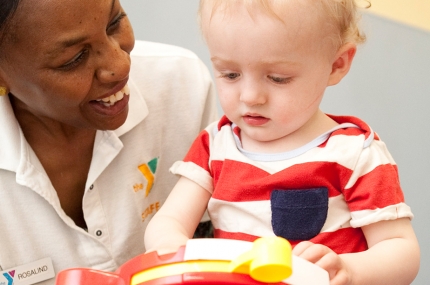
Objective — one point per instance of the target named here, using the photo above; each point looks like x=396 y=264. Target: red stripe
x=236 y=131
x=238 y=236
x=356 y=121
x=348 y=132
x=377 y=189
x=199 y=151
x=256 y=184
x=342 y=241
x=223 y=121
x=345 y=240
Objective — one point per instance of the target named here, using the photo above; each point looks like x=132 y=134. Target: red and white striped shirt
x=324 y=191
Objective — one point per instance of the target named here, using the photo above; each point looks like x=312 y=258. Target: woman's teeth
x=112 y=99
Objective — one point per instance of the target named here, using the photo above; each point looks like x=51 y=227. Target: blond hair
x=344 y=15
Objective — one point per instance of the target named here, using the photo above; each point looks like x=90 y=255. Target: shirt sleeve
x=195 y=165
x=373 y=192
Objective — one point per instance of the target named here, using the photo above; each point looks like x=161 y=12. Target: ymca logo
x=148 y=171
x=9 y=276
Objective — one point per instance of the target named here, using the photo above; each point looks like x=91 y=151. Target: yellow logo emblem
x=148 y=171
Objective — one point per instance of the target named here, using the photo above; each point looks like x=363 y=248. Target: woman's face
x=63 y=57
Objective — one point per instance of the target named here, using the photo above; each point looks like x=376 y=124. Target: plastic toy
x=267 y=260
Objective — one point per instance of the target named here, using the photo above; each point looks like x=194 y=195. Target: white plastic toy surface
x=267 y=260
x=303 y=271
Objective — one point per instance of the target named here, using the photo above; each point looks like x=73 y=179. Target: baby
x=275 y=164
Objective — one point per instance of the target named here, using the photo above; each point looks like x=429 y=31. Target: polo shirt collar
x=137 y=109
x=12 y=138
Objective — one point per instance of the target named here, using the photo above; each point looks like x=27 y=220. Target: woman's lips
x=112 y=104
x=114 y=97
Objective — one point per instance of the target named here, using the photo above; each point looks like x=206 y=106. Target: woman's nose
x=113 y=63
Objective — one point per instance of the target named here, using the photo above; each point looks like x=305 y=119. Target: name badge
x=29 y=273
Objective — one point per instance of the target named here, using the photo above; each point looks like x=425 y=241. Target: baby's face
x=270 y=74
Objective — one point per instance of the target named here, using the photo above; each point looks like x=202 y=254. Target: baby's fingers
x=302 y=247
x=325 y=258
x=331 y=262
x=310 y=251
x=341 y=278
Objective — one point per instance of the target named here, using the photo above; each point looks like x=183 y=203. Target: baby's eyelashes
x=279 y=80
x=230 y=75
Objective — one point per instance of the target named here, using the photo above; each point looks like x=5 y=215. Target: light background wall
x=388 y=85
x=411 y=12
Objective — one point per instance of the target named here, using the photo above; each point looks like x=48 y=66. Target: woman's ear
x=342 y=63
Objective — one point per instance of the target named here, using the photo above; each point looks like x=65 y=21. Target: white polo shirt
x=172 y=99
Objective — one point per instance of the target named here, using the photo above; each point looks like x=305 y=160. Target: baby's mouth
x=112 y=99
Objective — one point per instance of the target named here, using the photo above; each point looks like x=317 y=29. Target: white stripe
x=193 y=172
x=338 y=216
x=369 y=139
x=270 y=157
x=341 y=149
x=392 y=212
x=255 y=217
x=371 y=157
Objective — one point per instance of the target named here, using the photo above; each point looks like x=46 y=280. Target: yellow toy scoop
x=269 y=260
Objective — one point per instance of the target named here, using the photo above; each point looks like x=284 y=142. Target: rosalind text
x=32 y=272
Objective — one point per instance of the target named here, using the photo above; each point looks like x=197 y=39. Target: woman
x=87 y=132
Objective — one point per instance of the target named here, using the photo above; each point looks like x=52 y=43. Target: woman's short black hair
x=7 y=9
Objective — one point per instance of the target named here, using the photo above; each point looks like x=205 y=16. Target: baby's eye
x=231 y=75
x=279 y=80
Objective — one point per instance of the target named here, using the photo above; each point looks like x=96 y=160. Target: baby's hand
x=325 y=258
x=163 y=250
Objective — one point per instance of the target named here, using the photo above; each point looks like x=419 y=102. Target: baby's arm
x=393 y=256
x=178 y=218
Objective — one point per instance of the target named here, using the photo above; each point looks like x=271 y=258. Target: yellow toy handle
x=269 y=260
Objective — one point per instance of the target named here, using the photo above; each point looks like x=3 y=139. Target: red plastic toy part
x=88 y=276
x=208 y=262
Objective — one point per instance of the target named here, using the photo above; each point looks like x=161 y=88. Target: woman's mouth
x=112 y=99
x=112 y=105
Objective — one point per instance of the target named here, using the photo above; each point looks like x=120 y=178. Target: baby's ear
x=342 y=63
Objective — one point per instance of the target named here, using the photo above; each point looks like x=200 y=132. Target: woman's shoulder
x=158 y=62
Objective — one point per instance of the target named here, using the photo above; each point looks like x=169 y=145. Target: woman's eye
x=279 y=80
x=116 y=22
x=230 y=76
x=75 y=61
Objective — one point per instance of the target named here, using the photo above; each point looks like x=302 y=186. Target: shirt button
x=92 y=186
x=99 y=233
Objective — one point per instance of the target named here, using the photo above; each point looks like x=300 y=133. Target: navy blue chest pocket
x=299 y=214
